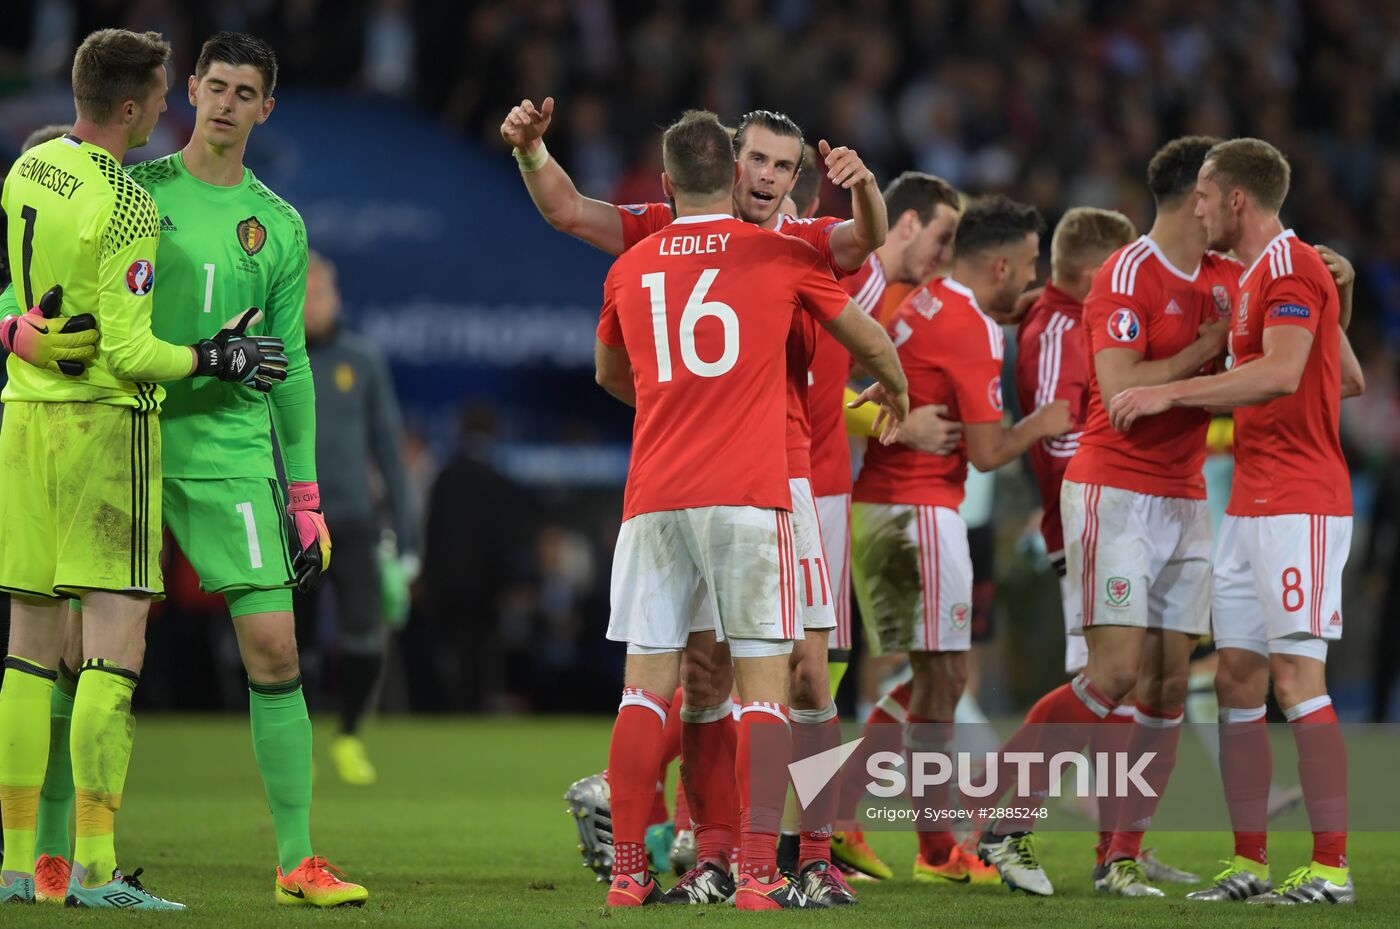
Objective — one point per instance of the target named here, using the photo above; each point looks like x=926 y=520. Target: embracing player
x=909 y=553
x=76 y=519
x=226 y=242
x=707 y=508
x=1136 y=529
x=769 y=149
x=1276 y=600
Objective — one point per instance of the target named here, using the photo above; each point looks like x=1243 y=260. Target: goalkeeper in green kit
x=229 y=242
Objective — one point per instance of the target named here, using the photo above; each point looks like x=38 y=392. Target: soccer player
x=355 y=392
x=228 y=241
x=909 y=552
x=1052 y=363
x=1136 y=527
x=769 y=148
x=706 y=510
x=1276 y=598
x=77 y=520
x=923 y=210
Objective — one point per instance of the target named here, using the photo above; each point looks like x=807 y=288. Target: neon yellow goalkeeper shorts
x=80 y=502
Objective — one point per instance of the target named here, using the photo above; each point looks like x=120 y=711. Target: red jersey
x=641 y=220
x=951 y=352
x=1288 y=454
x=1052 y=363
x=704 y=309
x=1139 y=301
x=826 y=391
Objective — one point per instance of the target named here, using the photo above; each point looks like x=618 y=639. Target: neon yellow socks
x=100 y=740
x=24 y=753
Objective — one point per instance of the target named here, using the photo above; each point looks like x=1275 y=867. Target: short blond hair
x=1254 y=166
x=1086 y=231
x=113 y=66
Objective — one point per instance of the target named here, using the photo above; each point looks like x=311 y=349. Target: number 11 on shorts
x=254 y=549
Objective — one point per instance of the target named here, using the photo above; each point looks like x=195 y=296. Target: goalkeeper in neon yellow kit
x=80 y=455
x=227 y=241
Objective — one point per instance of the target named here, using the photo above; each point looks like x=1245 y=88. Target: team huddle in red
x=733 y=326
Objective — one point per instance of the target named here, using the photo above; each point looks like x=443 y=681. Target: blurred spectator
x=475 y=521
x=360 y=464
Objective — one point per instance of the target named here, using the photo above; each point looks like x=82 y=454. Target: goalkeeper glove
x=313 y=539
x=396 y=573
x=255 y=361
x=67 y=348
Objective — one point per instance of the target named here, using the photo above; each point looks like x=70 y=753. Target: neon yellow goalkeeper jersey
x=74 y=218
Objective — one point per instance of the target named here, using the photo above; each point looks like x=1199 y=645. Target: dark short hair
x=993 y=221
x=922 y=193
x=1255 y=166
x=1171 y=174
x=696 y=154
x=809 y=181
x=113 y=66
x=779 y=123
x=240 y=48
x=45 y=134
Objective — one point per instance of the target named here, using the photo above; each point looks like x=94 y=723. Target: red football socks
x=1322 y=772
x=633 y=757
x=760 y=769
x=708 y=739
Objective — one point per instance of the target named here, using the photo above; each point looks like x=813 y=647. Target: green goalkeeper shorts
x=80 y=503
x=234 y=532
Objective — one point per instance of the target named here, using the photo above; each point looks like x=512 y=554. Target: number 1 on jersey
x=696 y=309
x=208 y=287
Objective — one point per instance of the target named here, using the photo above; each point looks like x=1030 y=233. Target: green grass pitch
x=467 y=828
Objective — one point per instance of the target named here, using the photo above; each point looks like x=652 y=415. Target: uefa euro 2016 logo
x=140 y=277
x=1123 y=325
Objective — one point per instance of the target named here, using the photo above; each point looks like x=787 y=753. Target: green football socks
x=282 y=747
x=56 y=799
x=100 y=739
x=24 y=753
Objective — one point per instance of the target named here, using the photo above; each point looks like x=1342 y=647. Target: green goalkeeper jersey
x=73 y=218
x=222 y=250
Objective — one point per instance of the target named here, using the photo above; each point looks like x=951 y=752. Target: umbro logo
x=166 y=225
x=121 y=899
x=1173 y=308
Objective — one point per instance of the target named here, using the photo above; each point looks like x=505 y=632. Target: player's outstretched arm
x=991 y=445
x=1274 y=374
x=872 y=349
x=1121 y=368
x=613 y=371
x=926 y=430
x=1353 y=380
x=550 y=186
x=853 y=241
x=1344 y=275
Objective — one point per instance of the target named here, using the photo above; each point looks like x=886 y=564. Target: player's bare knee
x=811 y=688
x=1296 y=679
x=270 y=658
x=1171 y=692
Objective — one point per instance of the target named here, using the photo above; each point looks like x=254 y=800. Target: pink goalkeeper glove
x=313 y=557
x=66 y=345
